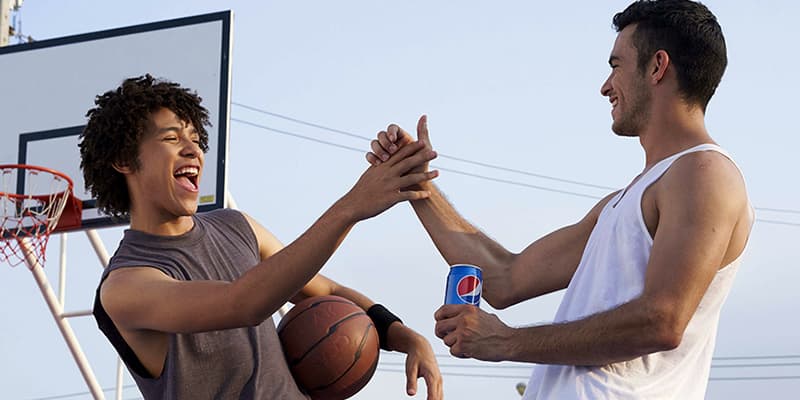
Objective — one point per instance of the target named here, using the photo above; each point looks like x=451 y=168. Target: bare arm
x=703 y=217
x=146 y=299
x=544 y=266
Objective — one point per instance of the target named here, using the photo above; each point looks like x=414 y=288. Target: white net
x=31 y=202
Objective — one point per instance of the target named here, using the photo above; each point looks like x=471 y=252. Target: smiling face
x=170 y=165
x=626 y=87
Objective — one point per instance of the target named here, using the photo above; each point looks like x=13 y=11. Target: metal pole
x=231 y=203
x=102 y=255
x=62 y=271
x=5 y=13
x=99 y=247
x=63 y=325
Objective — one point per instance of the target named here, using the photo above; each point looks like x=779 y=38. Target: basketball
x=331 y=346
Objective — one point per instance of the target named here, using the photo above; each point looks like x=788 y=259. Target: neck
x=163 y=225
x=672 y=129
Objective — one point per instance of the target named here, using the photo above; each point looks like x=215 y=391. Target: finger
x=411 y=195
x=445 y=327
x=403 y=165
x=378 y=150
x=372 y=159
x=434 y=384
x=448 y=311
x=456 y=351
x=422 y=130
x=451 y=341
x=385 y=142
x=404 y=153
x=411 y=378
x=413 y=179
x=398 y=135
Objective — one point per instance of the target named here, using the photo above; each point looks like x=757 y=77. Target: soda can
x=464 y=284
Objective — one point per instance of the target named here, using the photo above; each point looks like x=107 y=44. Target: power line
x=529 y=366
x=466 y=374
x=66 y=396
x=731 y=358
x=499 y=180
x=448 y=356
x=768 y=365
x=506 y=376
x=479 y=163
x=754 y=378
x=464 y=160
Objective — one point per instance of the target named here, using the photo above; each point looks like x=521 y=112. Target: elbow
x=244 y=312
x=665 y=330
x=498 y=302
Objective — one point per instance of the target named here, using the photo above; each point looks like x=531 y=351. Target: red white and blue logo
x=469 y=289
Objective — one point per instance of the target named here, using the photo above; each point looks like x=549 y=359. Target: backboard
x=48 y=86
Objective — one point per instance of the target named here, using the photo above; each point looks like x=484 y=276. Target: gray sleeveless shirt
x=242 y=363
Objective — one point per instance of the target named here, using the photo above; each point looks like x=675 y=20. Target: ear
x=123 y=169
x=659 y=66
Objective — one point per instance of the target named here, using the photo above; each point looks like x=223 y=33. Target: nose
x=606 y=87
x=190 y=149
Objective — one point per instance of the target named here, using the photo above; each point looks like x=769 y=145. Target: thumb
x=422 y=130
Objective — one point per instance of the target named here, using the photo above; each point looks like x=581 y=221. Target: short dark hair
x=689 y=33
x=116 y=127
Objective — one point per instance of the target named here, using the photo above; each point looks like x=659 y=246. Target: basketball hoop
x=32 y=200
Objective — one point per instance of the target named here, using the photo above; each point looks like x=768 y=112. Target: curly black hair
x=689 y=33
x=116 y=127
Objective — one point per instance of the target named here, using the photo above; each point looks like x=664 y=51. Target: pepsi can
x=464 y=284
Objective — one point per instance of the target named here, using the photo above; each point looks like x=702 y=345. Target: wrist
x=402 y=338
x=512 y=348
x=385 y=323
x=342 y=212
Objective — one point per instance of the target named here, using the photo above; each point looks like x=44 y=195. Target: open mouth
x=187 y=177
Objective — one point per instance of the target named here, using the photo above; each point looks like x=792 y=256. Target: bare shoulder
x=707 y=173
x=268 y=244
x=128 y=290
x=705 y=188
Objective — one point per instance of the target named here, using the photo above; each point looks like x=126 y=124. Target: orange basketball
x=331 y=346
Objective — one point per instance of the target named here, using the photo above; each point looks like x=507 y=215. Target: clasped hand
x=473 y=333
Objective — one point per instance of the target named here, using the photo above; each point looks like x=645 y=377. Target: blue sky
x=514 y=84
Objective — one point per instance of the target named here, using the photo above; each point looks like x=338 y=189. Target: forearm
x=456 y=239
x=267 y=286
x=624 y=333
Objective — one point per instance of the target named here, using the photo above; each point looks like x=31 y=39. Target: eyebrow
x=612 y=58
x=170 y=128
x=175 y=128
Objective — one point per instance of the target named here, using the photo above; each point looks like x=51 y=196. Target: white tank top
x=612 y=272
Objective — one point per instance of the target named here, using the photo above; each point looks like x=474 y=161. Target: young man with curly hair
x=187 y=298
x=647 y=270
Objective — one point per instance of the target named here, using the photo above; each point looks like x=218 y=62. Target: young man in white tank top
x=648 y=268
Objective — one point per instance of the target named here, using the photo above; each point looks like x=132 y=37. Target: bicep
x=698 y=206
x=549 y=263
x=268 y=244
x=145 y=298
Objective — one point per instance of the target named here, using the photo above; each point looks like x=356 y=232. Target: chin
x=621 y=130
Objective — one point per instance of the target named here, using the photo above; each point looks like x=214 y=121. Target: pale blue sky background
x=514 y=84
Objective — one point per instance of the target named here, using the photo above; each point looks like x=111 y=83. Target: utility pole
x=5 y=27
x=6 y=30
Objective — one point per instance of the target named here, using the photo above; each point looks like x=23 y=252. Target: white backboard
x=47 y=86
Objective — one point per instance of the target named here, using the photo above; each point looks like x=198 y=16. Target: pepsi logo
x=469 y=289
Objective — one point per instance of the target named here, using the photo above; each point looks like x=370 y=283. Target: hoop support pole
x=62 y=271
x=99 y=247
x=103 y=257
x=62 y=323
x=72 y=314
x=230 y=202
